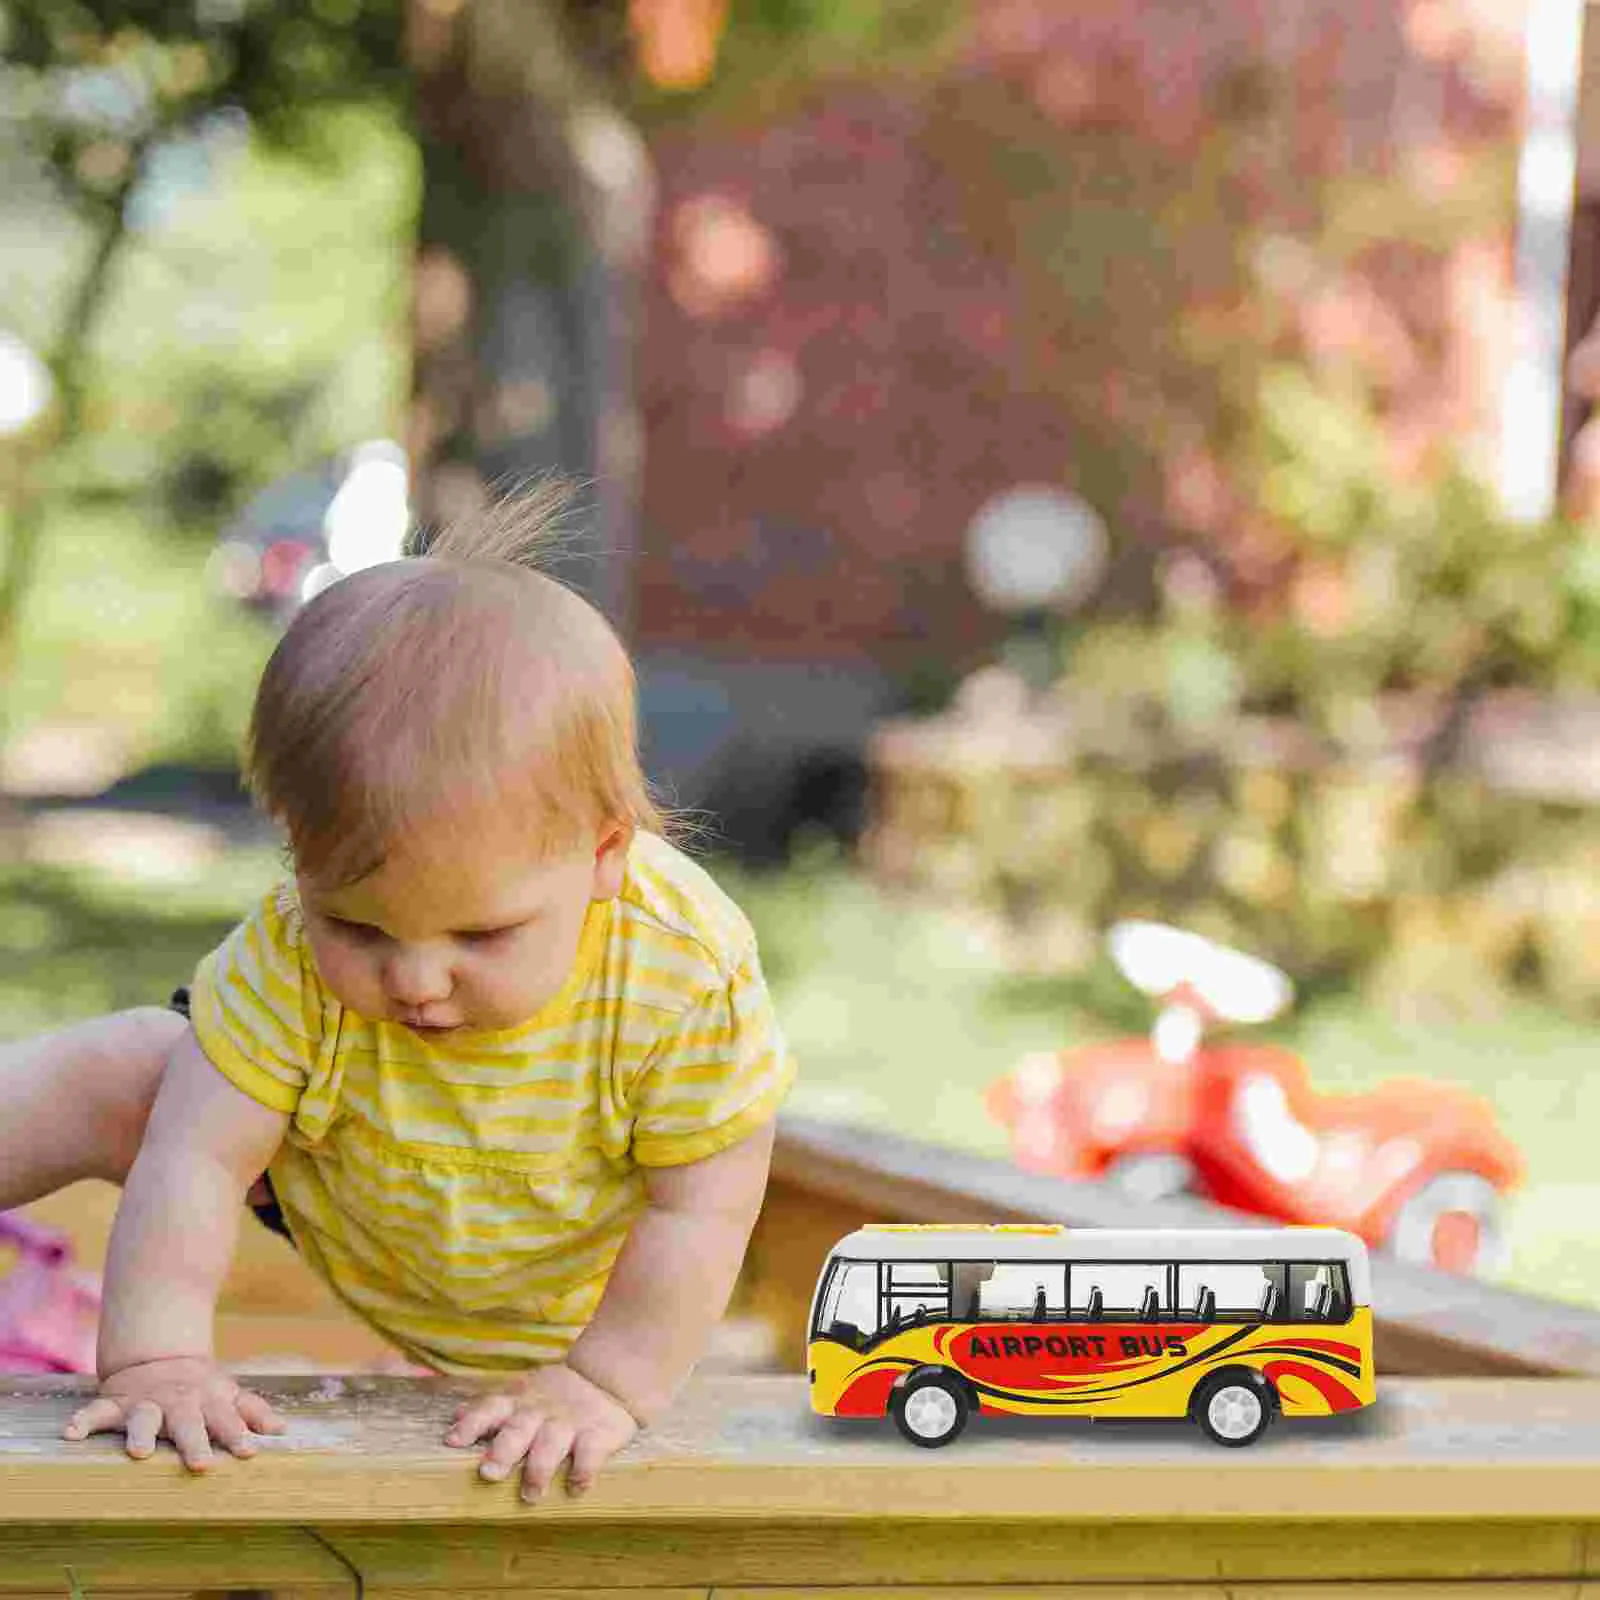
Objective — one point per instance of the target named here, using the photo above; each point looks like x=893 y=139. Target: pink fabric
x=49 y=1310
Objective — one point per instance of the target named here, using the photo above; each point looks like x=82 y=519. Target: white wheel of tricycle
x=1152 y=1175
x=1453 y=1222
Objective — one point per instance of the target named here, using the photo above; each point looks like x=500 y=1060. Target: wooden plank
x=153 y=1559
x=1410 y=1591
x=1175 y=1591
x=522 y=1592
x=1428 y=1323
x=965 y=1552
x=1020 y=1591
x=748 y=1448
x=64 y=1593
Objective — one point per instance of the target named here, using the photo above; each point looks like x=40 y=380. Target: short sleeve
x=256 y=1006
x=718 y=1073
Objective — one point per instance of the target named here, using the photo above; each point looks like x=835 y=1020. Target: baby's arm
x=674 y=1275
x=176 y=1227
x=671 y=1283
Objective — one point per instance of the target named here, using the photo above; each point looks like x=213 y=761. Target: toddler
x=502 y=1053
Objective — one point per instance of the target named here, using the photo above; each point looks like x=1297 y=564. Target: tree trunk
x=536 y=215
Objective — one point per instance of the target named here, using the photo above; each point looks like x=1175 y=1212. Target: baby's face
x=475 y=942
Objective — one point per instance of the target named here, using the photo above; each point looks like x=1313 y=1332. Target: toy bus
x=1228 y=1326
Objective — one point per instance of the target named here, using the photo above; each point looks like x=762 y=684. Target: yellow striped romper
x=468 y=1195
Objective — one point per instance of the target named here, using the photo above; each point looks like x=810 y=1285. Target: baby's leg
x=73 y=1104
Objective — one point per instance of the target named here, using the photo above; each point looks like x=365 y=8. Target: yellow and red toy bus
x=1227 y=1326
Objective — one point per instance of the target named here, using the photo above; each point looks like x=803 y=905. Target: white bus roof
x=1049 y=1241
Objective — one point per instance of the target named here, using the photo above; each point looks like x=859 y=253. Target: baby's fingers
x=143 y=1428
x=186 y=1428
x=481 y=1417
x=590 y=1451
x=511 y=1444
x=545 y=1455
x=101 y=1415
x=258 y=1414
x=227 y=1427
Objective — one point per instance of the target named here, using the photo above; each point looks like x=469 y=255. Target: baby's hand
x=545 y=1418
x=186 y=1399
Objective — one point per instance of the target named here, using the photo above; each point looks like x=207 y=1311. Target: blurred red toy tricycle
x=1415 y=1167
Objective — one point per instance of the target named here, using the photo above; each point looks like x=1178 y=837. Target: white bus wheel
x=931 y=1409
x=1234 y=1408
x=1454 y=1222
x=1152 y=1175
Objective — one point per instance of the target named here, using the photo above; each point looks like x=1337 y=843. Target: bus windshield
x=860 y=1299
x=847 y=1308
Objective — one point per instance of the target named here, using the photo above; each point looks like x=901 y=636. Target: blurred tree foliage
x=1318 y=778
x=103 y=96
x=1313 y=778
x=1262 y=730
x=211 y=215
x=107 y=105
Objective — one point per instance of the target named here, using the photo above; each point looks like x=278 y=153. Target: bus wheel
x=931 y=1409
x=1233 y=1408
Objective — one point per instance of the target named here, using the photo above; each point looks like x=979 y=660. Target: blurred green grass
x=122 y=636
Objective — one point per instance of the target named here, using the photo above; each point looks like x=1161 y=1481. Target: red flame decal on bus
x=868 y=1393
x=1338 y=1396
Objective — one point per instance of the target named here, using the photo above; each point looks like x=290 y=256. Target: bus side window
x=1123 y=1288
x=1019 y=1291
x=966 y=1288
x=1317 y=1292
x=1236 y=1290
x=910 y=1286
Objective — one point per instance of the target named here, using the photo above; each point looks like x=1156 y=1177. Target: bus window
x=848 y=1309
x=1021 y=1291
x=918 y=1290
x=1318 y=1292
x=1125 y=1288
x=1230 y=1291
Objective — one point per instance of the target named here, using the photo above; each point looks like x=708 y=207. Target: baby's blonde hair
x=409 y=702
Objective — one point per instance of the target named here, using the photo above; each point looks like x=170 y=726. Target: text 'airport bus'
x=1227 y=1326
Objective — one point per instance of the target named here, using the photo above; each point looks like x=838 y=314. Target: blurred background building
x=1075 y=251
